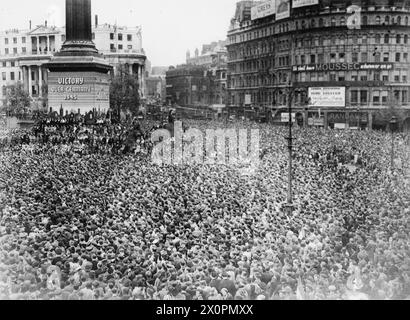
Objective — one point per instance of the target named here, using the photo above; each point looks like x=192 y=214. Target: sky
x=169 y=27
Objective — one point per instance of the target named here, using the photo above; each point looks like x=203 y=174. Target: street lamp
x=393 y=124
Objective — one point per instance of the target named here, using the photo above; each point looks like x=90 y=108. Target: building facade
x=344 y=63
x=23 y=54
x=202 y=81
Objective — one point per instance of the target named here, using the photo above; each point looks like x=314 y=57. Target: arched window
x=342 y=21
x=398 y=39
x=321 y=22
x=333 y=22
x=378 y=20
x=313 y=23
x=297 y=25
x=386 y=38
x=399 y=20
x=406 y=39
x=406 y=21
x=387 y=20
x=364 y=20
x=377 y=38
x=303 y=24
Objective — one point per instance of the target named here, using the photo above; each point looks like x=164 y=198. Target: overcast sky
x=170 y=27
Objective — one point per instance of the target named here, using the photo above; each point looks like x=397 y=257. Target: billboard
x=304 y=3
x=282 y=9
x=285 y=117
x=342 y=67
x=248 y=99
x=263 y=10
x=327 y=97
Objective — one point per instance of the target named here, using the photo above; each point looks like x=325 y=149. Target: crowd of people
x=76 y=135
x=109 y=225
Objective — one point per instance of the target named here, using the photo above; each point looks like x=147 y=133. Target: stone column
x=30 y=89
x=48 y=45
x=40 y=81
x=130 y=68
x=23 y=77
x=140 y=77
x=142 y=80
x=38 y=45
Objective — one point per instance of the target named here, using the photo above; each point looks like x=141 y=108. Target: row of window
x=354 y=57
x=313 y=23
x=257 y=80
x=6 y=40
x=120 y=36
x=378 y=96
x=357 y=97
x=120 y=47
x=344 y=39
x=12 y=76
x=112 y=36
x=354 y=76
x=6 y=64
x=269 y=47
x=15 y=51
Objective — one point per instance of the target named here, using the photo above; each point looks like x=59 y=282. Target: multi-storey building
x=344 y=63
x=202 y=80
x=188 y=86
x=24 y=52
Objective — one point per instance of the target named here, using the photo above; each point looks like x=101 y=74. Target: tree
x=18 y=101
x=385 y=115
x=124 y=92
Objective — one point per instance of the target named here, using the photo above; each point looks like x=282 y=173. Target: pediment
x=43 y=30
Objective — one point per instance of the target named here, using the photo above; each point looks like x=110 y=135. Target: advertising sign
x=285 y=117
x=304 y=3
x=263 y=10
x=342 y=67
x=282 y=9
x=327 y=97
x=248 y=99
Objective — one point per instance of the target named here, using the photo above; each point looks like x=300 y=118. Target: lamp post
x=290 y=95
x=393 y=123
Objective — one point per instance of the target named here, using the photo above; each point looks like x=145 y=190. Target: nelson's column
x=79 y=77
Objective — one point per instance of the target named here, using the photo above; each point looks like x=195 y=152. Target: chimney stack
x=45 y=23
x=30 y=24
x=96 y=20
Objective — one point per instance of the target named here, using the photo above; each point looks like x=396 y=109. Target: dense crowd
x=65 y=136
x=103 y=225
